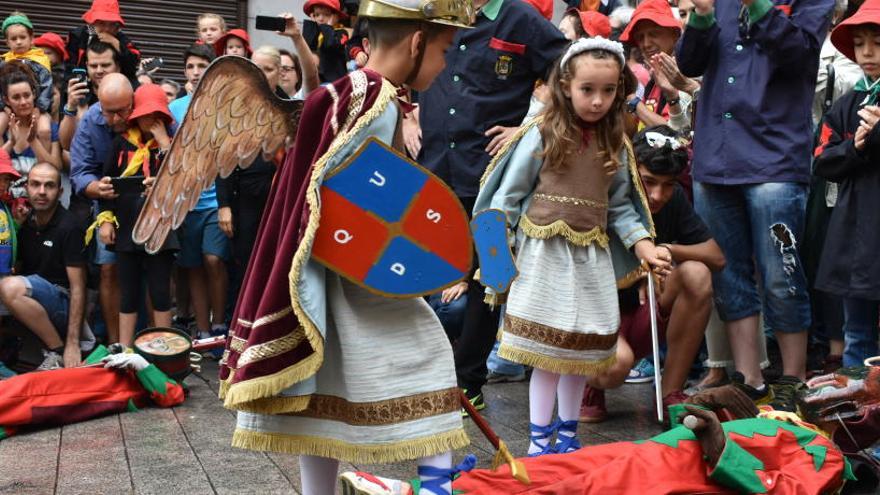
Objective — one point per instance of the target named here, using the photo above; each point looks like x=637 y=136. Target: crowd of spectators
x=724 y=112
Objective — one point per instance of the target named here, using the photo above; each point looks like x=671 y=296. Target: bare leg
x=835 y=347
x=743 y=336
x=127 y=322
x=615 y=376
x=687 y=298
x=108 y=294
x=793 y=347
x=219 y=282
x=162 y=318
x=13 y=293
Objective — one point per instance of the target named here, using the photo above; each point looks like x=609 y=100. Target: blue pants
x=758 y=227
x=501 y=366
x=860 y=319
x=451 y=314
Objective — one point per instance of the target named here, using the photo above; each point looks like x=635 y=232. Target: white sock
x=442 y=461
x=318 y=474
x=569 y=392
x=542 y=398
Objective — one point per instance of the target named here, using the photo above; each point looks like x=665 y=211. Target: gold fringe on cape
x=556 y=365
x=562 y=229
x=355 y=453
x=260 y=394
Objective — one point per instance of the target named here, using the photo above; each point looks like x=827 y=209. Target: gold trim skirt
x=386 y=391
x=562 y=313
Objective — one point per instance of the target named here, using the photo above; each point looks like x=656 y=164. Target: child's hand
x=148 y=185
x=657 y=257
x=107 y=233
x=160 y=134
x=293 y=26
x=20 y=212
x=109 y=39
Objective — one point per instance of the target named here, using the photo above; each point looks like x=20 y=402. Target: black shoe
x=759 y=396
x=785 y=393
x=476 y=400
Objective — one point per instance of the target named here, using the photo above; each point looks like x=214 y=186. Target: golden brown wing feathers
x=233 y=116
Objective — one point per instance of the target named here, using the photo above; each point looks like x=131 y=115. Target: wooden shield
x=391 y=226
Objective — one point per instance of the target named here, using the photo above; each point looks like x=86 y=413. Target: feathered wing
x=234 y=115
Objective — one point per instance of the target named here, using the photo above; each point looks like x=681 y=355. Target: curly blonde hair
x=561 y=132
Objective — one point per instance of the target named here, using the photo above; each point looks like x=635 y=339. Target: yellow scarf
x=35 y=54
x=140 y=159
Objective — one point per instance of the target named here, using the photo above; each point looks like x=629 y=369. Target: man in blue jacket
x=759 y=60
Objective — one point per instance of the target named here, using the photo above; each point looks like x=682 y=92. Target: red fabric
x=544 y=7
x=330 y=4
x=655 y=11
x=824 y=137
x=53 y=41
x=6 y=165
x=841 y=37
x=635 y=328
x=149 y=98
x=104 y=10
x=220 y=44
x=65 y=396
x=594 y=23
x=507 y=46
x=625 y=468
x=266 y=290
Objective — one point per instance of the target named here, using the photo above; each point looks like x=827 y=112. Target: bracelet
x=67 y=112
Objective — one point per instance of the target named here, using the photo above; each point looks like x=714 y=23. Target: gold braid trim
x=495 y=299
x=383 y=412
x=348 y=452
x=631 y=278
x=554 y=337
x=556 y=365
x=637 y=183
x=507 y=146
x=259 y=394
x=562 y=229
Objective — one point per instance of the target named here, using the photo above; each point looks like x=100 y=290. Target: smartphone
x=266 y=23
x=80 y=74
x=156 y=63
x=128 y=185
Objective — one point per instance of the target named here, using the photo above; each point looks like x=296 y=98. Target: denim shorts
x=103 y=256
x=54 y=299
x=201 y=236
x=758 y=227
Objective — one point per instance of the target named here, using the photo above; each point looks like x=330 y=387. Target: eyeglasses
x=287 y=68
x=122 y=112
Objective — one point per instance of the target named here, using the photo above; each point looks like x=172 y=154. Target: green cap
x=17 y=19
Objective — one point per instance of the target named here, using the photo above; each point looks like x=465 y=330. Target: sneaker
x=217 y=353
x=183 y=322
x=360 y=483
x=642 y=372
x=476 y=400
x=785 y=393
x=5 y=372
x=493 y=377
x=593 y=408
x=759 y=397
x=51 y=361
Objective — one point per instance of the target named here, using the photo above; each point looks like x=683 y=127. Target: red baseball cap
x=55 y=42
x=148 y=99
x=841 y=37
x=220 y=44
x=104 y=10
x=6 y=165
x=594 y=23
x=330 y=4
x=544 y=7
x=654 y=11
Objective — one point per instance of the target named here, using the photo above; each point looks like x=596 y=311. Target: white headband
x=657 y=141
x=588 y=44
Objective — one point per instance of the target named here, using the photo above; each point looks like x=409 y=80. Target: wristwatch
x=632 y=104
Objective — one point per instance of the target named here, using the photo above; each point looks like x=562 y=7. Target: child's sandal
x=542 y=433
x=566 y=443
x=433 y=478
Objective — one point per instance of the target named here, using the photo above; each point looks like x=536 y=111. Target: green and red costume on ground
x=71 y=395
x=760 y=456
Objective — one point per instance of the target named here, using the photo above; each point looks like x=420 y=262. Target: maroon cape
x=268 y=349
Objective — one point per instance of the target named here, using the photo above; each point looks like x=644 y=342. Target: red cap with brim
x=220 y=44
x=654 y=11
x=544 y=7
x=54 y=42
x=330 y=4
x=594 y=23
x=149 y=99
x=104 y=10
x=6 y=165
x=842 y=38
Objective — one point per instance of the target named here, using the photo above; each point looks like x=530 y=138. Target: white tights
x=318 y=474
x=545 y=389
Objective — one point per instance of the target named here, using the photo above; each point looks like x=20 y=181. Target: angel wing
x=234 y=115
